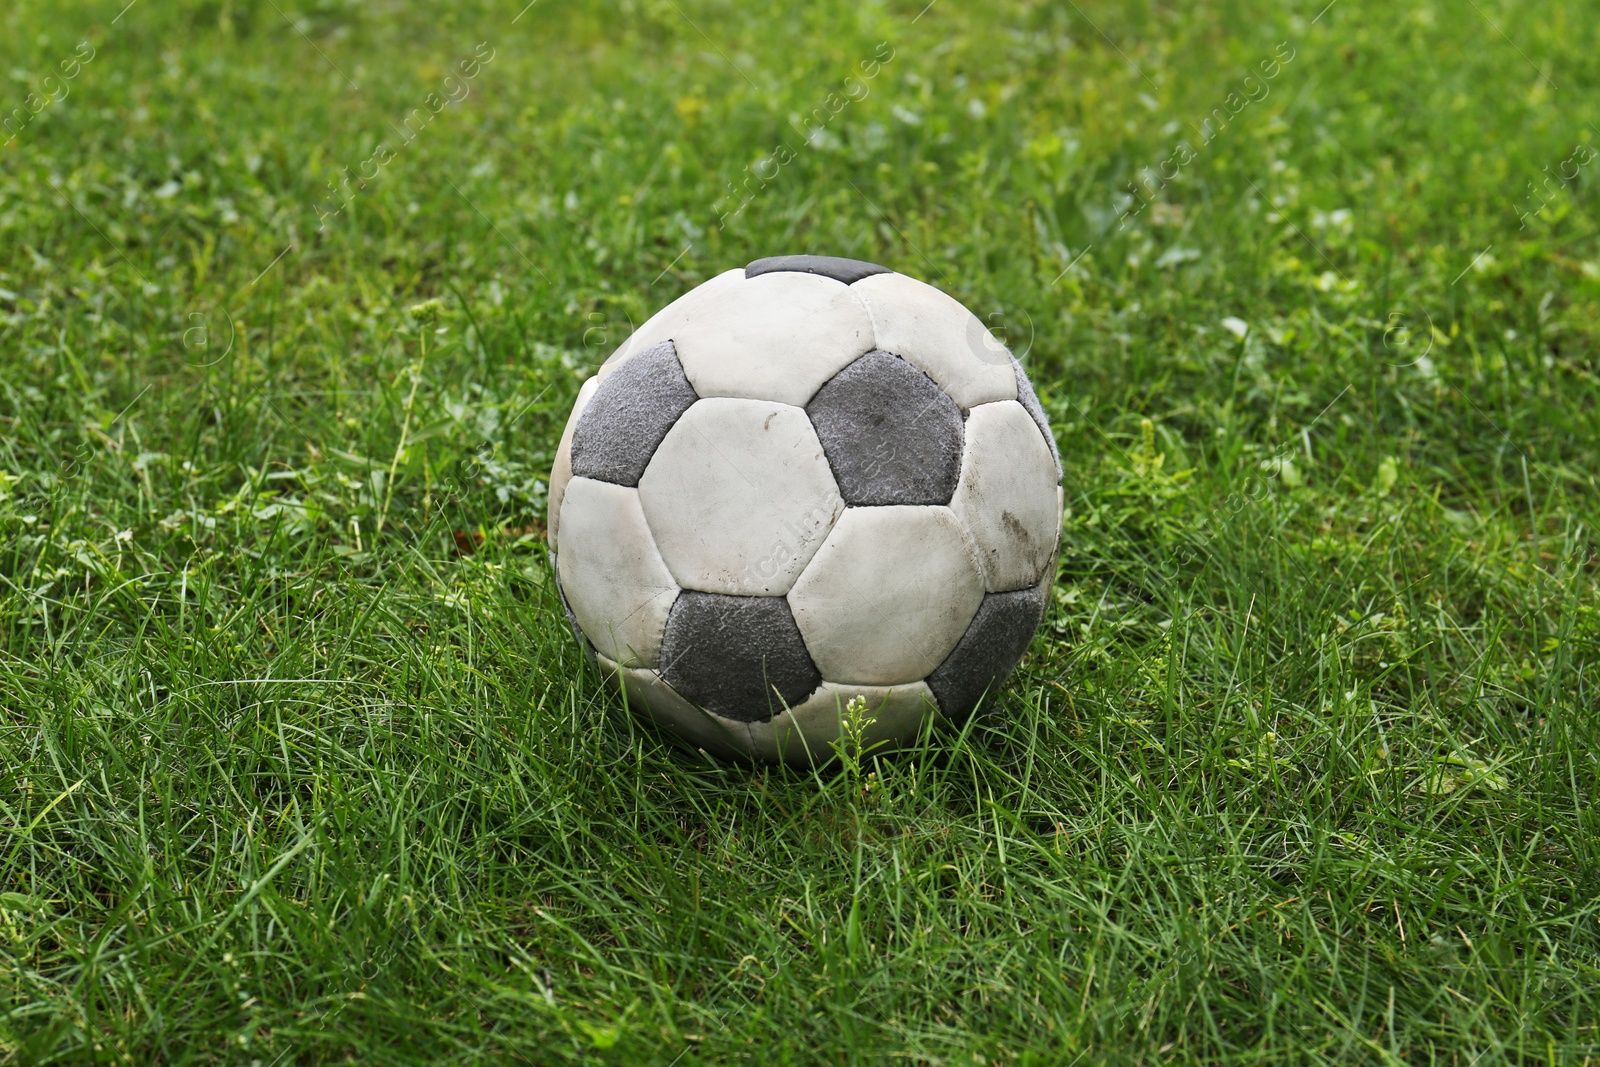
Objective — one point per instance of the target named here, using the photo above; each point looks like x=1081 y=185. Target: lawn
x=299 y=762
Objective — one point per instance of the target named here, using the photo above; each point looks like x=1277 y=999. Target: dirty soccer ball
x=807 y=480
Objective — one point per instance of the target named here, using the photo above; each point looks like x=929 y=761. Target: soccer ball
x=805 y=481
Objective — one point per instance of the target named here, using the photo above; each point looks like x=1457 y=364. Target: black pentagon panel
x=989 y=651
x=891 y=435
x=840 y=270
x=572 y=620
x=1030 y=400
x=740 y=657
x=629 y=414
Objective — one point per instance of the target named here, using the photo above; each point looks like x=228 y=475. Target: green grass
x=1302 y=766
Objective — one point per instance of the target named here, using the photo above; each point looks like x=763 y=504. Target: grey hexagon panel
x=630 y=413
x=989 y=651
x=840 y=270
x=891 y=435
x=740 y=657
